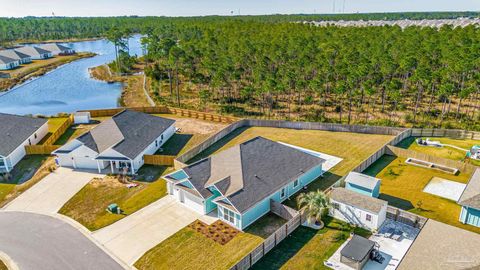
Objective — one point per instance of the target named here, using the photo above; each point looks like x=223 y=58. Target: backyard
x=189 y=249
x=88 y=206
x=444 y=152
x=402 y=186
x=306 y=248
x=352 y=147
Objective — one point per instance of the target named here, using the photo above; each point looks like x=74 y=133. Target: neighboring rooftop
x=441 y=246
x=362 y=180
x=54 y=47
x=127 y=132
x=357 y=200
x=31 y=50
x=471 y=195
x=15 y=130
x=6 y=60
x=357 y=248
x=13 y=54
x=249 y=172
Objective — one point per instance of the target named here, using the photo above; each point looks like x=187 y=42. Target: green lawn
x=188 y=249
x=444 y=152
x=89 y=204
x=306 y=248
x=402 y=186
x=352 y=147
x=30 y=170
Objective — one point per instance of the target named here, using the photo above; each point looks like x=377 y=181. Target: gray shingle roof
x=6 y=60
x=15 y=130
x=442 y=246
x=127 y=132
x=264 y=166
x=471 y=195
x=357 y=248
x=355 y=199
x=362 y=180
x=13 y=54
x=54 y=47
x=31 y=50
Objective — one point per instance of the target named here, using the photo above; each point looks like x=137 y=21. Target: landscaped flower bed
x=218 y=231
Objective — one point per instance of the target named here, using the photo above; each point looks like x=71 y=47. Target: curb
x=11 y=265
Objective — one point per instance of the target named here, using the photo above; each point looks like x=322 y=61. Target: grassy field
x=89 y=204
x=444 y=152
x=352 y=147
x=402 y=186
x=30 y=170
x=306 y=248
x=188 y=249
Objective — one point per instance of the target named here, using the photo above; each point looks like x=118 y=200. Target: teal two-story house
x=470 y=201
x=241 y=181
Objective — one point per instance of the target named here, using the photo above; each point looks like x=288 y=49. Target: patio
x=392 y=250
x=445 y=188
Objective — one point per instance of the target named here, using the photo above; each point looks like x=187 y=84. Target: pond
x=69 y=88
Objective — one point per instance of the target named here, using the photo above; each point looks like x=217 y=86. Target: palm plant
x=313 y=206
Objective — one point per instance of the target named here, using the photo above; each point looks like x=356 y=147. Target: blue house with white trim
x=470 y=201
x=363 y=184
x=240 y=182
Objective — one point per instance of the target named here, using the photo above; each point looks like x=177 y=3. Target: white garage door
x=85 y=163
x=193 y=202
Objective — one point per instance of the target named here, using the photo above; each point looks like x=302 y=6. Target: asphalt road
x=40 y=242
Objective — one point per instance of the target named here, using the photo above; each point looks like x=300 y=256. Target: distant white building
x=7 y=63
x=361 y=210
x=21 y=57
x=35 y=53
x=57 y=49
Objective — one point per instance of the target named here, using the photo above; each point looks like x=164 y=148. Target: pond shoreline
x=9 y=84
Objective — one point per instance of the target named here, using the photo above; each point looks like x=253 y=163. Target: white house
x=7 y=63
x=361 y=210
x=15 y=133
x=21 y=57
x=35 y=53
x=57 y=49
x=119 y=142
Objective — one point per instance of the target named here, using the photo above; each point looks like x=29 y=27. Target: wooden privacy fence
x=40 y=149
x=167 y=110
x=405 y=217
x=59 y=132
x=268 y=244
x=451 y=133
x=159 y=160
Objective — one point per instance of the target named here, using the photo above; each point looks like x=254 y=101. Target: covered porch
x=118 y=165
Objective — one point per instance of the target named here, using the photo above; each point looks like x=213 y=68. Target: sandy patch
x=195 y=126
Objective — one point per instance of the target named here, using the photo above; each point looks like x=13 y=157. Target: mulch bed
x=218 y=231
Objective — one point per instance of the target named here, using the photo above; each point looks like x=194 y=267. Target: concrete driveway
x=131 y=237
x=52 y=192
x=40 y=242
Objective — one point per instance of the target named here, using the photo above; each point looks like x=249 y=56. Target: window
x=295 y=183
x=35 y=135
x=156 y=143
x=161 y=137
x=229 y=215
x=2 y=162
x=283 y=193
x=368 y=217
x=335 y=206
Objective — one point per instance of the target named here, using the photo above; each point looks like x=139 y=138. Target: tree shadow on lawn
x=175 y=144
x=379 y=165
x=216 y=146
x=150 y=173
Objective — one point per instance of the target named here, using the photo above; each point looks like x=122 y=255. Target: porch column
x=111 y=165
x=98 y=166
x=133 y=170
